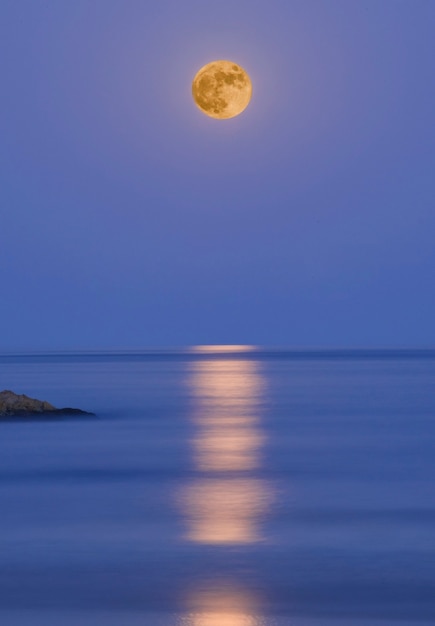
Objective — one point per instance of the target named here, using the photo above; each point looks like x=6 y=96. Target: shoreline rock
x=14 y=405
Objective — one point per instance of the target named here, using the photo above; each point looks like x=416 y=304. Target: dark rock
x=13 y=405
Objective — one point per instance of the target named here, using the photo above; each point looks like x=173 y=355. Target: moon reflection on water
x=225 y=503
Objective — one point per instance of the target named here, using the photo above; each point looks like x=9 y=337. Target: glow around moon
x=222 y=89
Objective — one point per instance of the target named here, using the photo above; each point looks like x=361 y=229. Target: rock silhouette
x=14 y=405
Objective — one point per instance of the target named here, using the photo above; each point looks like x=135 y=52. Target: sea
x=220 y=486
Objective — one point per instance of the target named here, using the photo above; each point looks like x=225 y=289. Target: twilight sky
x=129 y=219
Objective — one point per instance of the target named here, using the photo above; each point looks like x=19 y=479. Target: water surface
x=220 y=488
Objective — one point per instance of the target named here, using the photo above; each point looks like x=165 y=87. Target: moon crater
x=222 y=89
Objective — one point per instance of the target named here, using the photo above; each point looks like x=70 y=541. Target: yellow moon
x=222 y=89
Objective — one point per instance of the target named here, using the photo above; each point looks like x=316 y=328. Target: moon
x=222 y=89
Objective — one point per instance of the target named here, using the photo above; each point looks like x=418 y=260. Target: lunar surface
x=222 y=89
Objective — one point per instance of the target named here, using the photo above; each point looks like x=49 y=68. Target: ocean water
x=220 y=487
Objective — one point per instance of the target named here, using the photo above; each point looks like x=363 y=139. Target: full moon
x=222 y=89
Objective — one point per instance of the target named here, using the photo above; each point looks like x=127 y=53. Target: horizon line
x=216 y=350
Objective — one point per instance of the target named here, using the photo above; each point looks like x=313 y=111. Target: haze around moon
x=222 y=89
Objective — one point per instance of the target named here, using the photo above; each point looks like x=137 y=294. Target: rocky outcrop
x=13 y=405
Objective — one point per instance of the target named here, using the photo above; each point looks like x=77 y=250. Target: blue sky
x=129 y=219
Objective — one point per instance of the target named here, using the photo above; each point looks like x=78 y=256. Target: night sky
x=129 y=219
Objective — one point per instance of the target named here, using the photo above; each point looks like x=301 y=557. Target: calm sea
x=220 y=487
